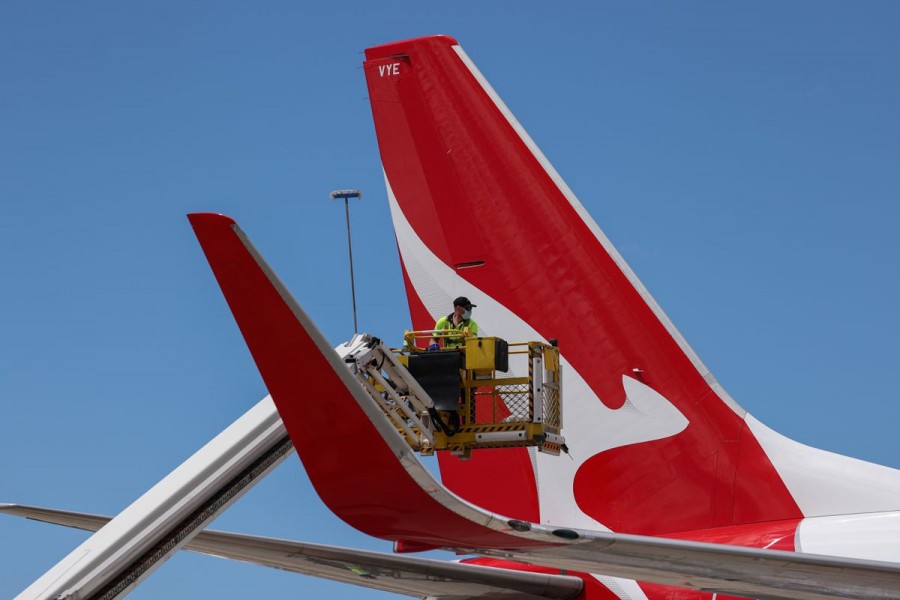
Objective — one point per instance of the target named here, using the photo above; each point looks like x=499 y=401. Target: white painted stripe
x=824 y=483
x=873 y=536
x=625 y=589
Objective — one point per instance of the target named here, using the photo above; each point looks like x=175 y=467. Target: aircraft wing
x=366 y=473
x=410 y=576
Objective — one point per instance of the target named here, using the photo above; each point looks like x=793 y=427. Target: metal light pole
x=346 y=195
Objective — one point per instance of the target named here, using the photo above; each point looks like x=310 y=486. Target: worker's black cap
x=464 y=302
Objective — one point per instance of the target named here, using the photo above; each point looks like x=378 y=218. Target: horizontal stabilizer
x=748 y=572
x=411 y=576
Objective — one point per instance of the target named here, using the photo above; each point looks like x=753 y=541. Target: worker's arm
x=438 y=326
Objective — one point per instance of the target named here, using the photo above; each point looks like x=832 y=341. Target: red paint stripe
x=772 y=535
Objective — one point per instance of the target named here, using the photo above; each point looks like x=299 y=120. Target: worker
x=459 y=319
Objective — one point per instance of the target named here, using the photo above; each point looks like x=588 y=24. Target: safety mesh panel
x=552 y=412
x=503 y=404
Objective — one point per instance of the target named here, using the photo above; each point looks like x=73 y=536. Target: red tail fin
x=658 y=446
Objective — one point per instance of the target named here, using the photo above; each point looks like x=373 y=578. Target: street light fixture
x=346 y=195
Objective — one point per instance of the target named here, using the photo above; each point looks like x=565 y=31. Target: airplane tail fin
x=657 y=445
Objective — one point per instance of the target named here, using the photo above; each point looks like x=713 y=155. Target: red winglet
x=354 y=468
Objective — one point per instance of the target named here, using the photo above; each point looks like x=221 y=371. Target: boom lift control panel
x=474 y=393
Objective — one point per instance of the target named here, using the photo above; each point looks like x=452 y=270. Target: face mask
x=467 y=314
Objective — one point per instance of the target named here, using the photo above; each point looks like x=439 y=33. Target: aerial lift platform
x=462 y=397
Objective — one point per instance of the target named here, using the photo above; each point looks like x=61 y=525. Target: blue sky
x=743 y=159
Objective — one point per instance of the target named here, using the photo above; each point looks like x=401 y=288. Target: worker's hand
x=434 y=347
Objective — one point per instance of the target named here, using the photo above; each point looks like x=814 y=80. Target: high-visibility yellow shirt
x=446 y=323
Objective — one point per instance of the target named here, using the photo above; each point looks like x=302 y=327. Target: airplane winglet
x=210 y=217
x=360 y=467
